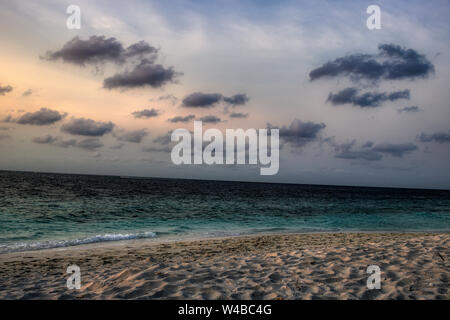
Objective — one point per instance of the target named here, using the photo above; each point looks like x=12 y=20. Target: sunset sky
x=354 y=106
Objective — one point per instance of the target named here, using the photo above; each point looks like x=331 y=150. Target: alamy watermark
x=74 y=20
x=374 y=280
x=259 y=146
x=373 y=22
x=74 y=280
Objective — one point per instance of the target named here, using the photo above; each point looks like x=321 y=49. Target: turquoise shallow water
x=51 y=210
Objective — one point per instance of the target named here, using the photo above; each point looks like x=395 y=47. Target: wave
x=27 y=246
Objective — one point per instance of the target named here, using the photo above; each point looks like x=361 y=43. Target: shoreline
x=171 y=239
x=414 y=265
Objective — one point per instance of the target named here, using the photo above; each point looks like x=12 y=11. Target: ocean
x=44 y=210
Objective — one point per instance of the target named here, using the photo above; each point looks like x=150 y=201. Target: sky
x=354 y=106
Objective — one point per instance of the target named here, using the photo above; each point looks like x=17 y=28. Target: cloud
x=347 y=151
x=87 y=127
x=210 y=119
x=55 y=141
x=182 y=119
x=146 y=73
x=27 y=93
x=94 y=50
x=65 y=143
x=370 y=152
x=41 y=117
x=368 y=99
x=395 y=150
x=299 y=133
x=146 y=113
x=98 y=49
x=238 y=115
x=90 y=144
x=157 y=149
x=48 y=139
x=209 y=100
x=140 y=48
x=170 y=97
x=202 y=100
x=438 y=137
x=411 y=109
x=391 y=63
x=164 y=139
x=117 y=146
x=237 y=99
x=134 y=136
x=5 y=89
x=8 y=119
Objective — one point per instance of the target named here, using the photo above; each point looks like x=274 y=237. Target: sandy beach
x=292 y=266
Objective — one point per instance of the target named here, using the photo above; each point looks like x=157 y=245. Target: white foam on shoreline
x=26 y=246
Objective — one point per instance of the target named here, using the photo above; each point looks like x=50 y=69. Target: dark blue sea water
x=39 y=210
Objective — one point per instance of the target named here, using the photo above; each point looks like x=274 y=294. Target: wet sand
x=289 y=266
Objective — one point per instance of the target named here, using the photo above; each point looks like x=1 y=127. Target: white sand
x=300 y=266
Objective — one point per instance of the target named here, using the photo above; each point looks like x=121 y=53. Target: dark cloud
x=8 y=119
x=170 y=97
x=182 y=119
x=99 y=49
x=202 y=100
x=117 y=146
x=87 y=127
x=140 y=48
x=395 y=150
x=209 y=100
x=164 y=139
x=405 y=63
x=210 y=119
x=5 y=89
x=237 y=99
x=299 y=133
x=146 y=113
x=90 y=144
x=375 y=99
x=368 y=99
x=146 y=73
x=404 y=94
x=41 y=117
x=368 y=144
x=370 y=152
x=342 y=97
x=134 y=136
x=411 y=109
x=348 y=151
x=55 y=141
x=27 y=93
x=391 y=63
x=65 y=143
x=48 y=139
x=96 y=49
x=238 y=115
x=439 y=137
x=157 y=149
